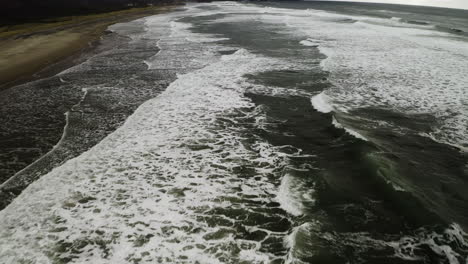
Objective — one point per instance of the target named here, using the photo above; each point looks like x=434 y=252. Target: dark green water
x=398 y=186
x=296 y=132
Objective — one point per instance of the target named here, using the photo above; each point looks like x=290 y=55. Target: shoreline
x=35 y=51
x=36 y=136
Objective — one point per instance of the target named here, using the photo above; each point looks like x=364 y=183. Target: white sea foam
x=348 y=130
x=291 y=241
x=293 y=196
x=387 y=63
x=147 y=191
x=321 y=103
x=418 y=71
x=382 y=63
x=309 y=42
x=407 y=247
x=287 y=197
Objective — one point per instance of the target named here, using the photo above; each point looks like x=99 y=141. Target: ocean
x=294 y=132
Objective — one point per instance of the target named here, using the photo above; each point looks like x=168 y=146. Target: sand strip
x=33 y=51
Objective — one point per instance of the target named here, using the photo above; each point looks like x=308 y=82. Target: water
x=294 y=133
x=51 y=120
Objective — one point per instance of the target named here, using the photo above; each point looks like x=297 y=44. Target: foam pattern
x=385 y=63
x=178 y=182
x=183 y=180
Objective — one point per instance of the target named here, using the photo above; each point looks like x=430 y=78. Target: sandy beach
x=224 y=132
x=34 y=51
x=47 y=119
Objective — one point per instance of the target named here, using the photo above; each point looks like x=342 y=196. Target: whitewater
x=203 y=173
x=150 y=184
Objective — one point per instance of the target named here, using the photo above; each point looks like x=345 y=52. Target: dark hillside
x=23 y=11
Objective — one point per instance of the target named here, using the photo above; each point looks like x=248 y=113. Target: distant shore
x=37 y=50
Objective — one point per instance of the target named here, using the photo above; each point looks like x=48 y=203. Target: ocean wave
x=348 y=130
x=321 y=103
x=309 y=42
x=447 y=245
x=176 y=182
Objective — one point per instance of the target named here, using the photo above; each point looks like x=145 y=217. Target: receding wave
x=176 y=182
x=221 y=169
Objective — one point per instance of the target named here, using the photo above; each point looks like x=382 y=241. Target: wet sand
x=48 y=119
x=34 y=51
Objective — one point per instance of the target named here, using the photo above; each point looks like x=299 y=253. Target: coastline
x=35 y=51
x=47 y=120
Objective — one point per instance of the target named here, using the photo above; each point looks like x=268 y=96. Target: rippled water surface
x=293 y=133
